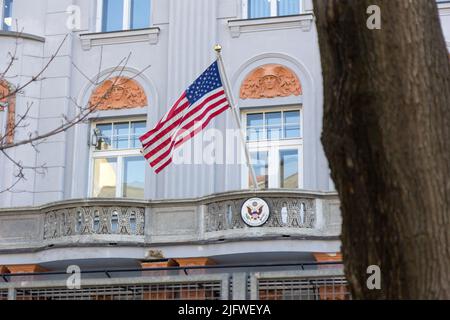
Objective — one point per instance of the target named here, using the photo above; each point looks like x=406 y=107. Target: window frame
x=273 y=147
x=126 y=18
x=2 y=15
x=273 y=9
x=119 y=154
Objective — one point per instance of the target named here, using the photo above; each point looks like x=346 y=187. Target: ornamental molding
x=301 y=21
x=94 y=221
x=21 y=35
x=444 y=9
x=118 y=93
x=270 y=81
x=296 y=213
x=89 y=40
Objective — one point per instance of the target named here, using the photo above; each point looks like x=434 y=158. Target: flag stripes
x=204 y=100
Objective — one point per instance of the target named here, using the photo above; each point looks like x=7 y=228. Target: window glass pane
x=121 y=135
x=105 y=132
x=255 y=134
x=273 y=119
x=105 y=177
x=7 y=14
x=292 y=132
x=286 y=7
x=134 y=177
x=259 y=161
x=289 y=168
x=112 y=15
x=292 y=117
x=292 y=124
x=273 y=124
x=255 y=127
x=258 y=8
x=137 y=130
x=140 y=14
x=255 y=120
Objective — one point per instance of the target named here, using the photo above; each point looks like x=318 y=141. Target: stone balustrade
x=87 y=222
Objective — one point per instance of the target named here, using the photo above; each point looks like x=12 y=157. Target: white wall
x=188 y=31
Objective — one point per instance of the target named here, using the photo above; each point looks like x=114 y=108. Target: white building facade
x=98 y=204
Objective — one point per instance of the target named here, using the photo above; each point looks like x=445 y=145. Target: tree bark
x=386 y=133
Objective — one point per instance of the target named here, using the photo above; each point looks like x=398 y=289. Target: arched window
x=117 y=166
x=274 y=132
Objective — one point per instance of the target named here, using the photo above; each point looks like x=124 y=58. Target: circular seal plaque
x=255 y=212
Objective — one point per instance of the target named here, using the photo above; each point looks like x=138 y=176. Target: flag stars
x=207 y=82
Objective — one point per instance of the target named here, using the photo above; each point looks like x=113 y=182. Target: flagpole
x=233 y=106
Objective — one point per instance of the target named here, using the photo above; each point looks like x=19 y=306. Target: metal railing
x=325 y=283
x=304 y=289
x=198 y=290
x=306 y=281
x=3 y=295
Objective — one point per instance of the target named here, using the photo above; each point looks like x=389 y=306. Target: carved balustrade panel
x=94 y=220
x=284 y=213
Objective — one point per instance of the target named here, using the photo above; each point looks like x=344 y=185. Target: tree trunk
x=386 y=134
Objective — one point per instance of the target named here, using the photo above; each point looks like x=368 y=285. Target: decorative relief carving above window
x=118 y=93
x=8 y=102
x=270 y=81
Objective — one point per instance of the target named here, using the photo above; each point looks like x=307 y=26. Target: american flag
x=204 y=100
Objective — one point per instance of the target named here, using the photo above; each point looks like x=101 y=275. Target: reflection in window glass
x=287 y=7
x=273 y=125
x=133 y=180
x=140 y=14
x=112 y=15
x=259 y=161
x=7 y=14
x=105 y=177
x=255 y=127
x=255 y=120
x=105 y=132
x=138 y=129
x=121 y=135
x=292 y=124
x=289 y=168
x=258 y=8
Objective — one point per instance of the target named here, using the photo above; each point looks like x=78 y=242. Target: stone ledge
x=150 y=35
x=302 y=21
x=444 y=8
x=170 y=202
x=21 y=35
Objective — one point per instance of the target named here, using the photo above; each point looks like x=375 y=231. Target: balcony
x=217 y=218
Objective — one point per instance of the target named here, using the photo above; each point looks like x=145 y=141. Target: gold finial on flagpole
x=218 y=48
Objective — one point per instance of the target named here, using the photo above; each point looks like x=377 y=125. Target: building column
x=240 y=286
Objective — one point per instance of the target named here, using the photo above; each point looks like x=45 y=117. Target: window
x=6 y=14
x=117 y=164
x=274 y=139
x=270 y=8
x=116 y=15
